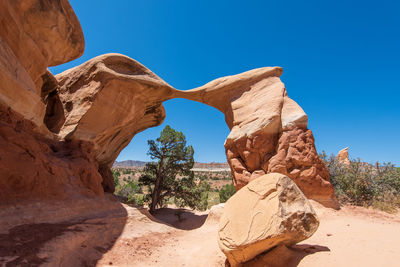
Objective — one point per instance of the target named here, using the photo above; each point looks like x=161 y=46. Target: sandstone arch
x=114 y=97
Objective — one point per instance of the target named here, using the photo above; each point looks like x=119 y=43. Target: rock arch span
x=114 y=97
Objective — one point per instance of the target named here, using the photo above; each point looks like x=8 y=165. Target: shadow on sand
x=183 y=219
x=78 y=239
x=283 y=256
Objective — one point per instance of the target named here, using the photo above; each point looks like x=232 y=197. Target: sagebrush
x=364 y=184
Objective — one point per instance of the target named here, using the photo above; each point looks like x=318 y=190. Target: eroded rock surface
x=35 y=167
x=108 y=100
x=270 y=211
x=33 y=36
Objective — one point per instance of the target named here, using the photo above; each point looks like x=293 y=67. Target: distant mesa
x=198 y=166
x=129 y=164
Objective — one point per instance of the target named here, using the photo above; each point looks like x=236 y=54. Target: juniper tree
x=170 y=174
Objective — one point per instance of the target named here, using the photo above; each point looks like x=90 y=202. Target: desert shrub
x=116 y=174
x=226 y=192
x=227 y=176
x=126 y=171
x=364 y=184
x=212 y=199
x=128 y=190
x=204 y=188
x=136 y=199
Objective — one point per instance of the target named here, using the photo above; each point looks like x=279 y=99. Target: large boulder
x=270 y=211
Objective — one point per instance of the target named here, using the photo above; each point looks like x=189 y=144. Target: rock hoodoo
x=343 y=156
x=86 y=115
x=269 y=211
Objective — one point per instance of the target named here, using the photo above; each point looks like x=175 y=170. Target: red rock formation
x=297 y=157
x=34 y=163
x=35 y=167
x=33 y=36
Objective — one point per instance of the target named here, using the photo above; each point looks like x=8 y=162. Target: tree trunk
x=157 y=187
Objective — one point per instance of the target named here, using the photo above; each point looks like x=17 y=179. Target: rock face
x=34 y=163
x=86 y=115
x=35 y=167
x=343 y=156
x=34 y=35
x=269 y=211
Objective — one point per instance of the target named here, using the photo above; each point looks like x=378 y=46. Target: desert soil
x=129 y=236
x=352 y=236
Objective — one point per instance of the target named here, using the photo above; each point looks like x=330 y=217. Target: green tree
x=226 y=192
x=170 y=175
x=116 y=176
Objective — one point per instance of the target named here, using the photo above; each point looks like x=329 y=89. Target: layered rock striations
x=86 y=115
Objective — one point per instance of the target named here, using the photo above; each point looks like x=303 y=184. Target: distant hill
x=197 y=165
x=211 y=165
x=129 y=163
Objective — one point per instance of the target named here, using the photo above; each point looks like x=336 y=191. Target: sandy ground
x=163 y=240
x=352 y=236
x=120 y=235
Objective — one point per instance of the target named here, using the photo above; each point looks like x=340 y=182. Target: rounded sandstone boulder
x=269 y=211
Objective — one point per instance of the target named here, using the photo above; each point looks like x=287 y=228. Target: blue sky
x=341 y=63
